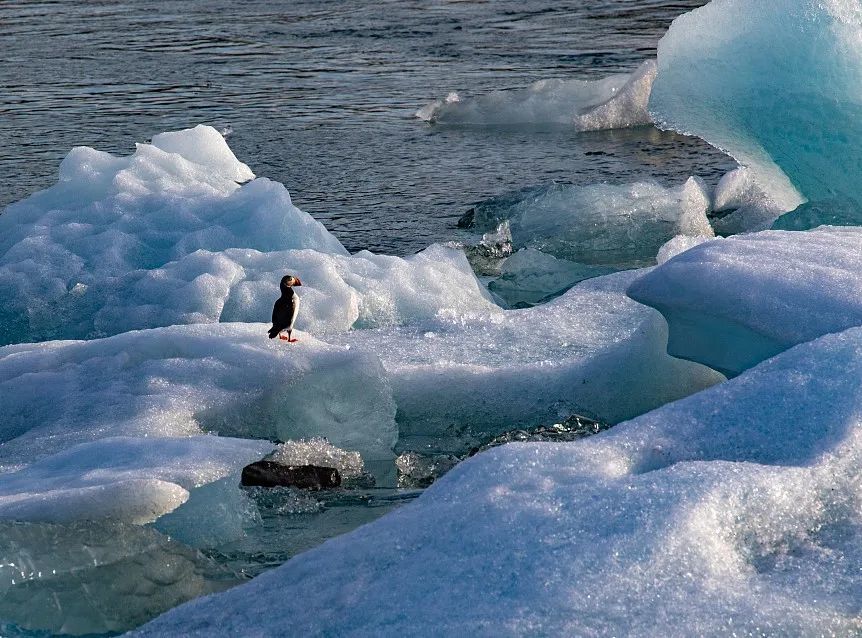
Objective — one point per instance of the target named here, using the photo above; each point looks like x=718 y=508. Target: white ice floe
x=734 y=511
x=602 y=224
x=114 y=428
x=167 y=236
x=617 y=101
x=733 y=303
x=591 y=351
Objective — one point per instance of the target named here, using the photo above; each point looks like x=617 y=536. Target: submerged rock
x=421 y=470
x=272 y=474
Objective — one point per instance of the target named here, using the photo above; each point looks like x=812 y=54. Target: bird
x=285 y=309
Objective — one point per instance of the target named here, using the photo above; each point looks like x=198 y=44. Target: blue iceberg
x=775 y=83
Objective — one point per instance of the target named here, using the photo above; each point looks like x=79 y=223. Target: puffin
x=285 y=309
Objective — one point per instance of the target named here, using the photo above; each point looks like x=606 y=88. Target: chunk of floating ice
x=601 y=224
x=529 y=277
x=617 y=101
x=810 y=215
x=733 y=303
x=746 y=205
x=732 y=511
x=318 y=451
x=592 y=351
x=96 y=577
x=166 y=236
x=124 y=443
x=777 y=84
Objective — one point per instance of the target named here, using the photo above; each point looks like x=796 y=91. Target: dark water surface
x=321 y=95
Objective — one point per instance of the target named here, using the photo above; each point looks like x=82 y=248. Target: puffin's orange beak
x=296 y=281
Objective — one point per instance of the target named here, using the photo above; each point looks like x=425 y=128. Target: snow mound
x=167 y=236
x=125 y=441
x=734 y=511
x=617 y=101
x=601 y=224
x=777 y=84
x=733 y=303
x=591 y=351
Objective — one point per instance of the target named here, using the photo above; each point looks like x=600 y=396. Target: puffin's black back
x=283 y=311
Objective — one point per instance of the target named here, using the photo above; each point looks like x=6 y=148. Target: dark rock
x=272 y=474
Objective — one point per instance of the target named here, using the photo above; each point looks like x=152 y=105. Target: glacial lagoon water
x=321 y=97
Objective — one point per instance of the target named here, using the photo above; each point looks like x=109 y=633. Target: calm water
x=321 y=96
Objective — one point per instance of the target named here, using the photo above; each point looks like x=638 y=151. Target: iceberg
x=168 y=236
x=732 y=303
x=600 y=224
x=617 y=101
x=777 y=84
x=732 y=511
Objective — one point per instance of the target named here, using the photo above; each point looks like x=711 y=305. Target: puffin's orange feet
x=292 y=340
x=283 y=338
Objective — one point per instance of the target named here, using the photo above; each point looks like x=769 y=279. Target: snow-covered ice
x=591 y=351
x=617 y=101
x=734 y=511
x=601 y=224
x=735 y=302
x=115 y=428
x=167 y=236
x=677 y=245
